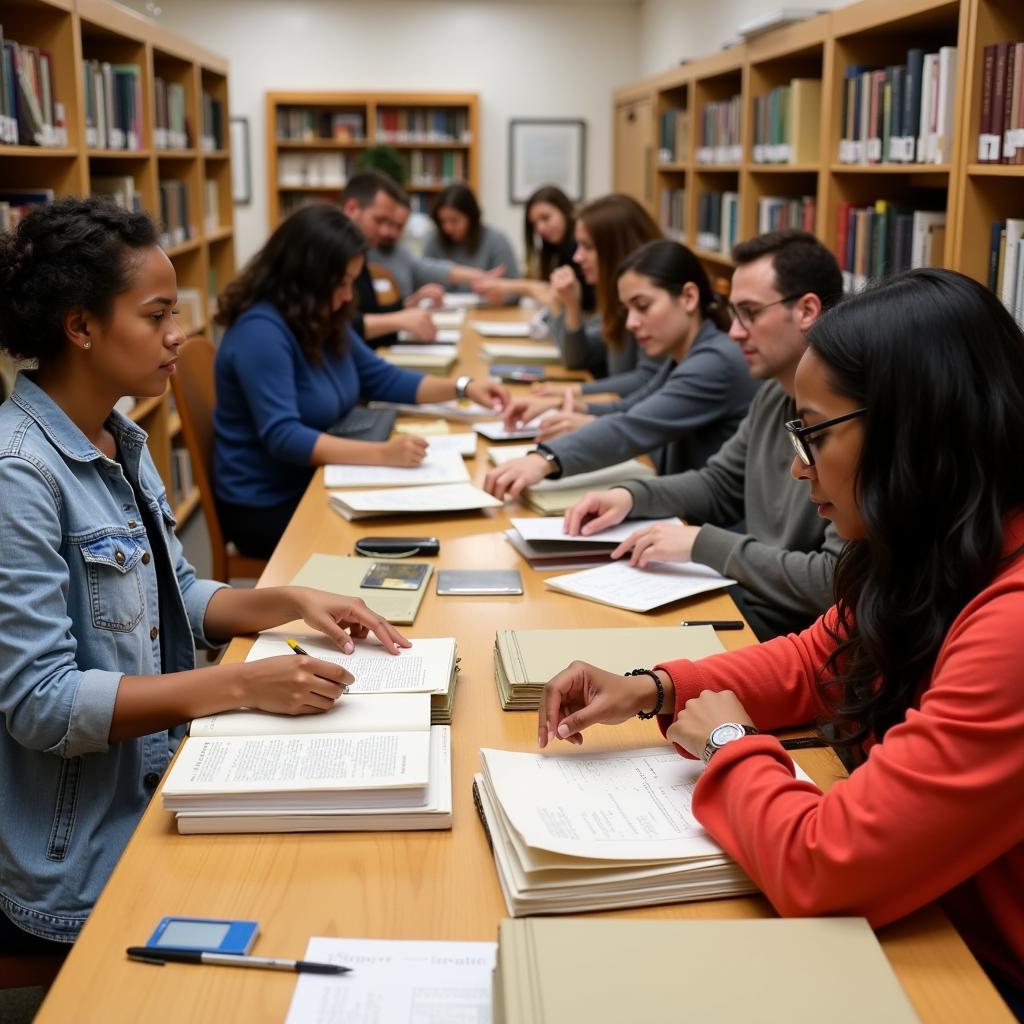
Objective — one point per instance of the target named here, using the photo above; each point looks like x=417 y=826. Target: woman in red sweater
x=911 y=405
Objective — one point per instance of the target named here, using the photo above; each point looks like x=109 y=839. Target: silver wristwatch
x=461 y=383
x=725 y=733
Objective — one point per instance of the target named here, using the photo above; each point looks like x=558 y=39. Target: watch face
x=725 y=733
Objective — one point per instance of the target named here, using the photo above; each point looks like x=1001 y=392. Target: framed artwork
x=241 y=162
x=546 y=151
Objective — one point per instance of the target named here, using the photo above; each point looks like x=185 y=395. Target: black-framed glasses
x=798 y=433
x=746 y=317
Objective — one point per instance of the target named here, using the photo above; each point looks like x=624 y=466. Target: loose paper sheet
x=439 y=467
x=549 y=528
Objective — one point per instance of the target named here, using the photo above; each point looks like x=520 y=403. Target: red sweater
x=936 y=810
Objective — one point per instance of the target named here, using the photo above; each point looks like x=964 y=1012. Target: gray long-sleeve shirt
x=786 y=558
x=494 y=250
x=409 y=270
x=681 y=418
x=623 y=369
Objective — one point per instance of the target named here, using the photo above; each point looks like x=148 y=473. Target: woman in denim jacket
x=99 y=610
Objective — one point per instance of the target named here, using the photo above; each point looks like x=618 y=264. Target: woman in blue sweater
x=290 y=366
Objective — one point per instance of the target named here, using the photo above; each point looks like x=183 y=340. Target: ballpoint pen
x=715 y=623
x=159 y=957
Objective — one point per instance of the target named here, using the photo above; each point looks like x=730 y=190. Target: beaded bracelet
x=661 y=691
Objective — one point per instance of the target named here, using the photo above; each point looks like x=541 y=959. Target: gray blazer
x=623 y=369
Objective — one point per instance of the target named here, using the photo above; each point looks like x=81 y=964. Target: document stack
x=436 y=359
x=372 y=763
x=546 y=974
x=599 y=831
x=525 y=659
x=525 y=351
x=439 y=467
x=412 y=501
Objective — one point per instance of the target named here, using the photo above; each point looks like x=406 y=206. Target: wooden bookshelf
x=75 y=30
x=974 y=195
x=367 y=114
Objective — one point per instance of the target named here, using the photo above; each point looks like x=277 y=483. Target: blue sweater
x=273 y=404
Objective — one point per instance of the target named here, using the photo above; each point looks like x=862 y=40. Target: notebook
x=436 y=359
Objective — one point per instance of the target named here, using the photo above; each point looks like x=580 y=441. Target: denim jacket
x=78 y=609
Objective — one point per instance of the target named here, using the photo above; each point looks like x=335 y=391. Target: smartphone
x=397 y=547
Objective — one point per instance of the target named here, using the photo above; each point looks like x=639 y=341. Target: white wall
x=671 y=30
x=540 y=60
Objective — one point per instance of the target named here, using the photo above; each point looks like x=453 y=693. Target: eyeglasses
x=798 y=433
x=746 y=317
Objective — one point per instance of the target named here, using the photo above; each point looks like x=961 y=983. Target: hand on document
x=598 y=511
x=659 y=543
x=583 y=695
x=512 y=478
x=559 y=423
x=341 y=618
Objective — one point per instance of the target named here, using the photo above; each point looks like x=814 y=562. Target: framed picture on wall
x=546 y=151
x=241 y=162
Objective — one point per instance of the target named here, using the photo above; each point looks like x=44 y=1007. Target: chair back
x=385 y=285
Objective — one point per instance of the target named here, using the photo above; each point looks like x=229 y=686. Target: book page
x=502 y=328
x=639 y=590
x=439 y=467
x=464 y=444
x=546 y=528
x=441 y=498
x=418 y=982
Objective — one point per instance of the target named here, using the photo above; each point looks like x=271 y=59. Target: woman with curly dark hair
x=911 y=405
x=290 y=366
x=99 y=609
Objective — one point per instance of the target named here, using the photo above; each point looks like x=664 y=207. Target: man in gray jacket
x=784 y=555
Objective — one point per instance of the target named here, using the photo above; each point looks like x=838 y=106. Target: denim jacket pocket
x=64 y=811
x=115 y=585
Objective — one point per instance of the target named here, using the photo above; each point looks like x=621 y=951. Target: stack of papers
x=444 y=337
x=464 y=411
x=448 y=319
x=502 y=328
x=410 y=501
x=545 y=545
x=599 y=831
x=525 y=659
x=534 y=351
x=434 y=358
x=429 y=666
x=461 y=300
x=443 y=465
x=464 y=444
x=546 y=971
x=639 y=590
x=373 y=762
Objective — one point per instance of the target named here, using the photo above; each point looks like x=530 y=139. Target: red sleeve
x=936 y=801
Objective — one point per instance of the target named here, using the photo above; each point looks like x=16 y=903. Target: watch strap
x=552 y=460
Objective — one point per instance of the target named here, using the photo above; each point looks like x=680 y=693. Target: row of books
x=718 y=221
x=422 y=124
x=901 y=113
x=211 y=205
x=1001 y=137
x=875 y=241
x=182 y=481
x=15 y=203
x=777 y=212
x=304 y=124
x=176 y=225
x=435 y=167
x=673 y=212
x=171 y=129
x=212 y=137
x=787 y=123
x=673 y=136
x=324 y=169
x=119 y=187
x=1006 y=265
x=718 y=132
x=113 y=105
x=30 y=114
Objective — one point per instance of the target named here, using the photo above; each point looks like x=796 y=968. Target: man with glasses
x=783 y=554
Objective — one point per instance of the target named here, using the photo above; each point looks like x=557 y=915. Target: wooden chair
x=385 y=285
x=195 y=397
x=30 y=970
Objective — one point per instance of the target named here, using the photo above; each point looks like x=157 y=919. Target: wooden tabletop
x=414 y=885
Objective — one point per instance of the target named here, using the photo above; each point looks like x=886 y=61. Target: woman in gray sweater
x=462 y=237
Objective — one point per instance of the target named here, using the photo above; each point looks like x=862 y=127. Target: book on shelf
x=176 y=224
x=1006 y=265
x=182 y=481
x=873 y=242
x=15 y=203
x=322 y=170
x=777 y=212
x=212 y=136
x=525 y=659
x=1001 y=134
x=30 y=114
x=901 y=113
x=545 y=971
x=113 y=105
x=673 y=213
x=440 y=498
x=787 y=123
x=120 y=187
x=190 y=315
x=211 y=205
x=344 y=574
x=430 y=666
x=304 y=124
x=171 y=128
x=718 y=132
x=539 y=811
x=718 y=221
x=434 y=167
x=423 y=124
x=673 y=136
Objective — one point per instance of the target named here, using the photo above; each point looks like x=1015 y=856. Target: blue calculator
x=204 y=935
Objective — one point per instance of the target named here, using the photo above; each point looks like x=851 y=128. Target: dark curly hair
x=938 y=363
x=67 y=254
x=297 y=271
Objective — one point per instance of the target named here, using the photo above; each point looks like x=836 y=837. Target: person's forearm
x=233 y=612
x=376 y=325
x=572 y=313
x=148 y=704
x=330 y=450
x=463 y=275
x=435 y=389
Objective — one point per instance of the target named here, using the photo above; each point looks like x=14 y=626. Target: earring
x=87 y=345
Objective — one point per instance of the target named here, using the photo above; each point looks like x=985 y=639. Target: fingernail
x=563 y=730
x=349 y=647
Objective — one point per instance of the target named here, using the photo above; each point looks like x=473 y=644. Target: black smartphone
x=397 y=547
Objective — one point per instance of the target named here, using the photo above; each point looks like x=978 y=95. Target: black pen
x=159 y=957
x=715 y=623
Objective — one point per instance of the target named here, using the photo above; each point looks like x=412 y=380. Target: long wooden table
x=417 y=885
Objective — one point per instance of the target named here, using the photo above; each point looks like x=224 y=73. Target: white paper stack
x=465 y=412
x=441 y=466
x=410 y=501
x=526 y=352
x=502 y=328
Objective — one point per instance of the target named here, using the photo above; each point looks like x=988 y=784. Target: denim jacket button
x=145 y=558
x=119 y=557
x=132 y=524
x=151 y=779
x=154 y=632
